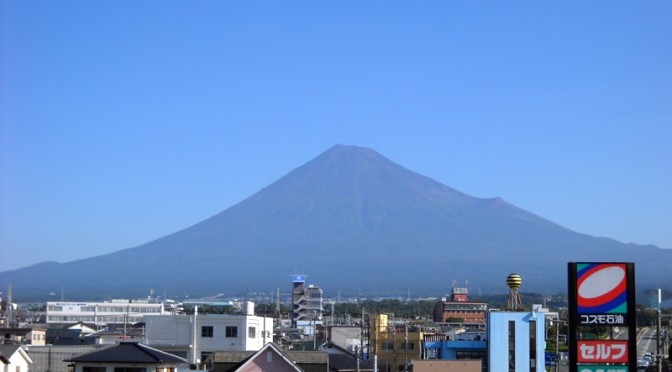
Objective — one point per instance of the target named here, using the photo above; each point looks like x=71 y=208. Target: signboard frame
x=602 y=318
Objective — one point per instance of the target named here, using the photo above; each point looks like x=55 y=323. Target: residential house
x=50 y=357
x=126 y=357
x=341 y=359
x=269 y=358
x=196 y=337
x=18 y=359
x=24 y=336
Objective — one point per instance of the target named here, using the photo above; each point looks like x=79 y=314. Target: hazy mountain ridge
x=352 y=220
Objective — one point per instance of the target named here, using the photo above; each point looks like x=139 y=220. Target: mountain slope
x=354 y=221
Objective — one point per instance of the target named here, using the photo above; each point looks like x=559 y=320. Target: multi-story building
x=516 y=341
x=460 y=310
x=393 y=344
x=102 y=313
x=307 y=303
x=196 y=337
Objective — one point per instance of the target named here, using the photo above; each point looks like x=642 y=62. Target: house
x=340 y=359
x=50 y=357
x=196 y=337
x=3 y=361
x=126 y=356
x=26 y=336
x=18 y=359
x=66 y=336
x=269 y=358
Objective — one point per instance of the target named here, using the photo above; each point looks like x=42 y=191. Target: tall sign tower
x=601 y=297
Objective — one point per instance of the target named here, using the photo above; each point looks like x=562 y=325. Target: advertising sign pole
x=601 y=297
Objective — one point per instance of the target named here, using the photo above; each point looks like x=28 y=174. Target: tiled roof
x=127 y=352
x=300 y=357
x=8 y=349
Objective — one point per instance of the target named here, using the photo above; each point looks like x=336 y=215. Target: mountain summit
x=353 y=221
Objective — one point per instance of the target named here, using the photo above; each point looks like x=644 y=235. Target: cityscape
x=309 y=331
x=375 y=186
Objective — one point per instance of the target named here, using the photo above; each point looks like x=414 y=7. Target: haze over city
x=124 y=122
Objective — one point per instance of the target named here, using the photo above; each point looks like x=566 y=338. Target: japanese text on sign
x=602 y=351
x=602 y=319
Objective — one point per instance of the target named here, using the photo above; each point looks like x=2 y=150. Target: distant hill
x=355 y=222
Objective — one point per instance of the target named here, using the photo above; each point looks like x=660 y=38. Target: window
x=252 y=331
x=129 y=369
x=207 y=357
x=231 y=331
x=407 y=346
x=533 y=345
x=512 y=346
x=206 y=331
x=93 y=369
x=388 y=345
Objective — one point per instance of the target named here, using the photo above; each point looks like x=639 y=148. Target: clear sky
x=124 y=121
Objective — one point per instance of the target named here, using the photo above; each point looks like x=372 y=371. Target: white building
x=102 y=313
x=196 y=337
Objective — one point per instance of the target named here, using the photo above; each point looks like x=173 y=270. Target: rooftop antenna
x=514 y=303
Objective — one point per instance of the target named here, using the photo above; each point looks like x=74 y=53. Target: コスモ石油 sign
x=602 y=293
x=601 y=296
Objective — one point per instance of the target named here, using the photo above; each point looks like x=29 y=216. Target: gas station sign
x=601 y=297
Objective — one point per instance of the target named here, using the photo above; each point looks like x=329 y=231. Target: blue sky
x=121 y=121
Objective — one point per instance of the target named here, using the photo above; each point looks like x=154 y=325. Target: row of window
x=92 y=319
x=230 y=331
x=110 y=309
x=402 y=346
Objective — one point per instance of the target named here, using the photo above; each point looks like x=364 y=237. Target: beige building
x=24 y=336
x=393 y=344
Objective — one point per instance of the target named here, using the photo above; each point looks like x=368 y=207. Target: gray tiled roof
x=127 y=352
x=8 y=349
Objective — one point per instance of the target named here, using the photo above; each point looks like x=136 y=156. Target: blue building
x=516 y=341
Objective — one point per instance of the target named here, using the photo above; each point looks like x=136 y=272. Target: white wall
x=177 y=331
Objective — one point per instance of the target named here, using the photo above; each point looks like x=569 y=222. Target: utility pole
x=659 y=355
